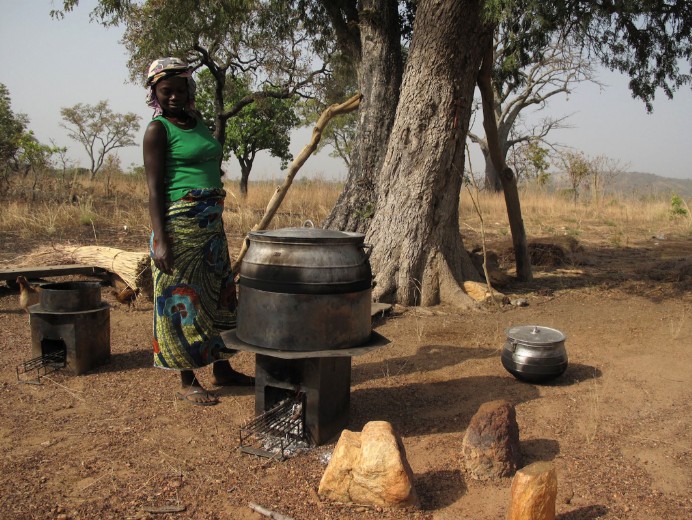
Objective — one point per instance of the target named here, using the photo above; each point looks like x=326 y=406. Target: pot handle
x=309 y=223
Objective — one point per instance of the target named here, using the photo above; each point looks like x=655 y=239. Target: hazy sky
x=48 y=64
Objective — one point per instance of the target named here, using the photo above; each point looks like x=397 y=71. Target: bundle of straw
x=134 y=268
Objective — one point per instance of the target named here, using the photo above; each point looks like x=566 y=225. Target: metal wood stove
x=70 y=328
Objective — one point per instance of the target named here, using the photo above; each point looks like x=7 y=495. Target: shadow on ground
x=439 y=489
x=539 y=450
x=434 y=407
x=584 y=513
x=427 y=358
x=633 y=268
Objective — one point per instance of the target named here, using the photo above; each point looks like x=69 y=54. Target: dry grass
x=42 y=211
x=308 y=200
x=615 y=220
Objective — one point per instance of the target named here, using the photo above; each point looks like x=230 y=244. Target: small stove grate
x=42 y=366
x=279 y=432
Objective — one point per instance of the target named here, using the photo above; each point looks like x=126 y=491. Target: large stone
x=491 y=444
x=534 y=489
x=369 y=468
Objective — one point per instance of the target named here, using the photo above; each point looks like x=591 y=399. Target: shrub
x=678 y=207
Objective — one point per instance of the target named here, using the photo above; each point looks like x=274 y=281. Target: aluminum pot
x=535 y=354
x=305 y=289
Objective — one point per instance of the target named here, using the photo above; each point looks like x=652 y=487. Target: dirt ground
x=115 y=441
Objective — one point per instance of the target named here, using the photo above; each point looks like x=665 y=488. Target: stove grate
x=279 y=432
x=40 y=366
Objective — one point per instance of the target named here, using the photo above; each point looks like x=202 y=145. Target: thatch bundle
x=133 y=267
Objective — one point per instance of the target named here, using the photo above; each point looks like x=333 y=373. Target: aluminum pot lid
x=306 y=234
x=535 y=335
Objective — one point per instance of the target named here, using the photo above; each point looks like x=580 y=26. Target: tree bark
x=491 y=177
x=418 y=255
x=492 y=180
x=379 y=78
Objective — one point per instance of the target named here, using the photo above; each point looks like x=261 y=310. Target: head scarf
x=165 y=68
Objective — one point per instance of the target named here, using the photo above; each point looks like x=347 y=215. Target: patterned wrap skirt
x=198 y=300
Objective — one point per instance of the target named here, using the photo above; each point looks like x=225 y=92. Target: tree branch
x=332 y=111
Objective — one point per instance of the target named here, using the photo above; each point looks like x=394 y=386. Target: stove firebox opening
x=53 y=347
x=325 y=381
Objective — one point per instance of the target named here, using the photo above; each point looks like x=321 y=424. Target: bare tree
x=604 y=170
x=60 y=153
x=578 y=168
x=562 y=65
x=111 y=166
x=99 y=130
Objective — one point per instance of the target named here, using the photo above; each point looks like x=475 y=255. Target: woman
x=194 y=291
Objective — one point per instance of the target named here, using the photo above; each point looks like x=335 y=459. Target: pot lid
x=535 y=334
x=307 y=235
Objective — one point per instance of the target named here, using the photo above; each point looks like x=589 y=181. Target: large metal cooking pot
x=534 y=354
x=305 y=289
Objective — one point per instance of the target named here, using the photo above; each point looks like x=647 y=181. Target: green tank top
x=193 y=159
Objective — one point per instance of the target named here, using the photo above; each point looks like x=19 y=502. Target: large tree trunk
x=379 y=79
x=418 y=255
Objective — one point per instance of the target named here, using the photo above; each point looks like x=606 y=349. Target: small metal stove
x=70 y=329
x=302 y=398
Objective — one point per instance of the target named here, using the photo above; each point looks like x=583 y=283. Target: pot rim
x=306 y=235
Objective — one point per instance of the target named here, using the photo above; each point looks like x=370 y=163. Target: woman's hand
x=162 y=254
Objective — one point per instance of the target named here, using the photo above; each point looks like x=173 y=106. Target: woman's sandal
x=199 y=391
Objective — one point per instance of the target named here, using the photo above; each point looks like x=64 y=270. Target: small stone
x=520 y=302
